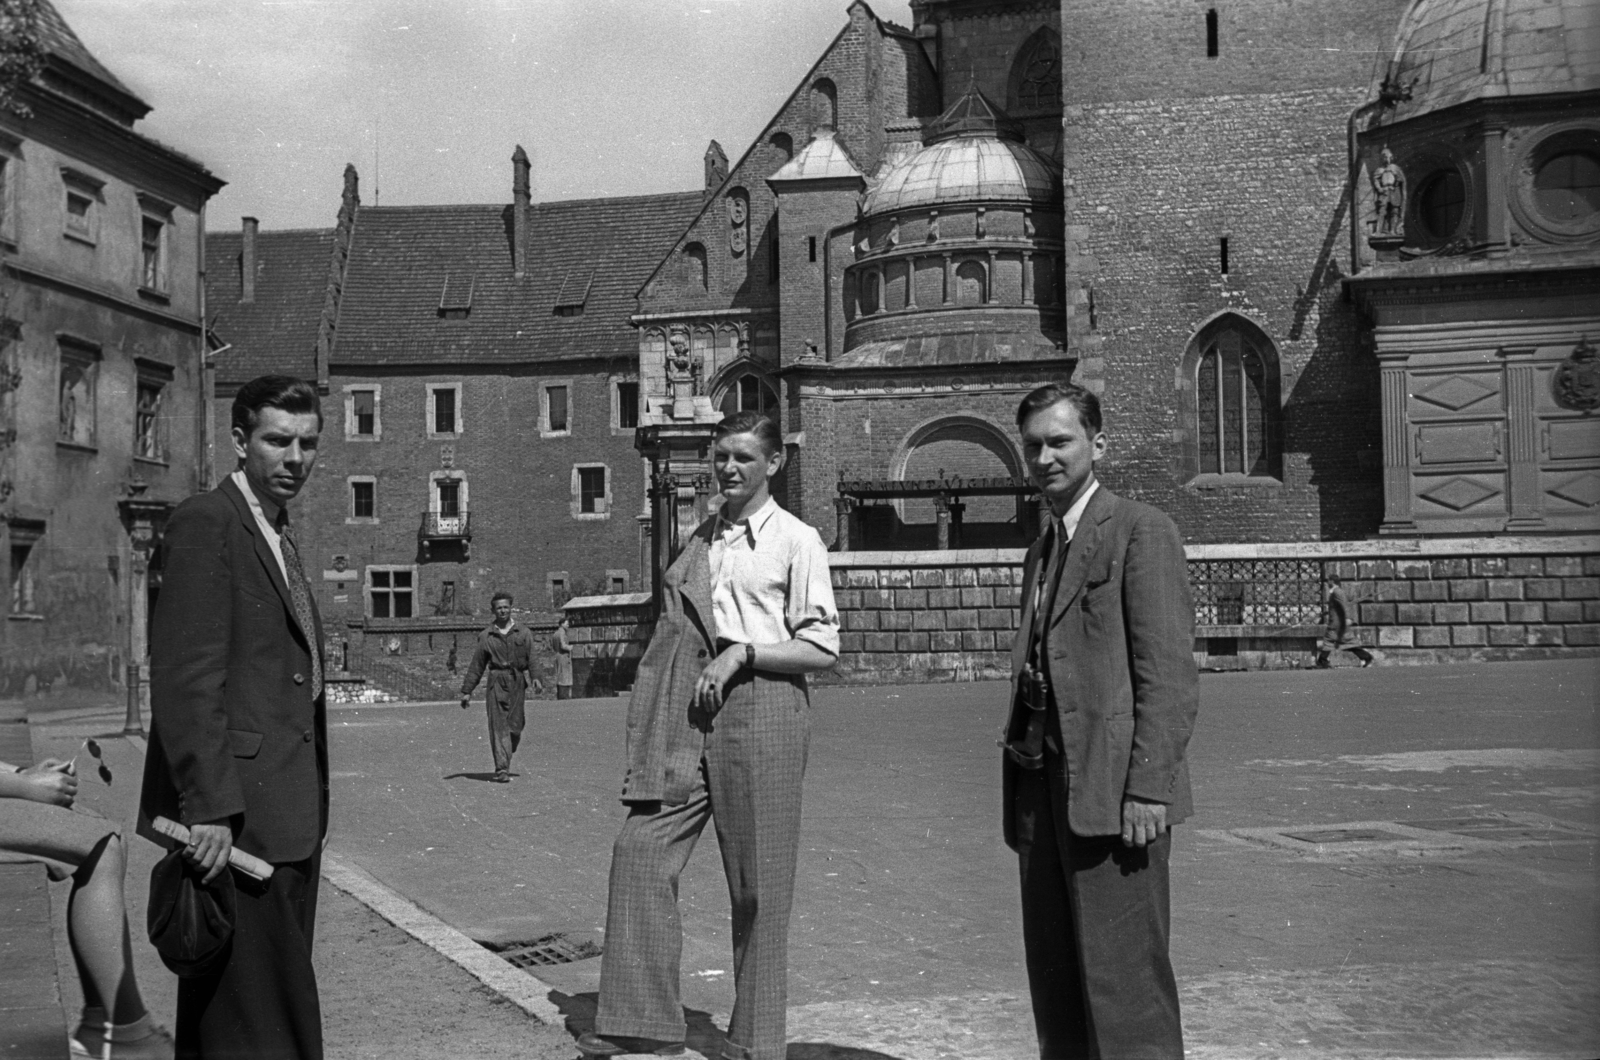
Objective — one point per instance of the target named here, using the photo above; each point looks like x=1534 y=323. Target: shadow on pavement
x=483 y=777
x=704 y=1036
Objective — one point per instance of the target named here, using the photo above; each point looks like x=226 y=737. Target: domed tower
x=1477 y=231
x=952 y=310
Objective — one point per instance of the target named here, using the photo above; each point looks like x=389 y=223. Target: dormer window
x=573 y=295
x=455 y=299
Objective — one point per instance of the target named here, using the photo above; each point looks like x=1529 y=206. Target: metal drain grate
x=558 y=948
x=1501 y=829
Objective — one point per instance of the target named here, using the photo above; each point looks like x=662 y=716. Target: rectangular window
x=557 y=581
x=22 y=602
x=80 y=214
x=152 y=241
x=8 y=169
x=147 y=440
x=1211 y=33
x=390 y=592
x=76 y=394
x=627 y=405
x=363 y=500
x=449 y=498
x=616 y=582
x=591 y=489
x=364 y=404
x=444 y=411
x=556 y=396
x=811 y=248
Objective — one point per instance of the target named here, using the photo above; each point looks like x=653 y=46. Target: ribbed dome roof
x=974 y=154
x=1451 y=51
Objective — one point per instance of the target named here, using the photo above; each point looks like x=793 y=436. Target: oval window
x=1567 y=187
x=1441 y=204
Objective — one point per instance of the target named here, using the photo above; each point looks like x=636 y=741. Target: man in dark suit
x=1104 y=699
x=238 y=736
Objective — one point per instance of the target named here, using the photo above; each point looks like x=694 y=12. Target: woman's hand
x=713 y=684
x=51 y=782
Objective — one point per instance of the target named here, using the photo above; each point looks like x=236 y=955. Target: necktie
x=1045 y=593
x=300 y=593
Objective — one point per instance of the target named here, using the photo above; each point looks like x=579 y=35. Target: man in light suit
x=238 y=737
x=1104 y=699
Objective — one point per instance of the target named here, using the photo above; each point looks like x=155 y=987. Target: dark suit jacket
x=1120 y=656
x=234 y=732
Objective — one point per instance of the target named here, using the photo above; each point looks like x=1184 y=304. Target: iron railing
x=1257 y=592
x=436 y=524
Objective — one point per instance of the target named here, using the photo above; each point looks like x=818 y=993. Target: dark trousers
x=507 y=719
x=262 y=1004
x=1095 y=924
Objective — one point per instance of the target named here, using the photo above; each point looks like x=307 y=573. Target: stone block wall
x=929 y=616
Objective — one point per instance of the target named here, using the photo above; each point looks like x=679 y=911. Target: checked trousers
x=749 y=787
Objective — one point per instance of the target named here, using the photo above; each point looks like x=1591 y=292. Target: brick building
x=102 y=417
x=481 y=389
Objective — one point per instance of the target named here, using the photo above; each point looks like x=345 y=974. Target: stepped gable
x=1449 y=52
x=432 y=284
x=276 y=333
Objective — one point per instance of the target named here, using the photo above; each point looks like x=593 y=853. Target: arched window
x=1236 y=405
x=694 y=266
x=824 y=104
x=1036 y=74
x=871 y=292
x=784 y=143
x=749 y=393
x=971 y=284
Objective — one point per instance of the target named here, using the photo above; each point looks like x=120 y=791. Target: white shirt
x=770 y=581
x=268 y=522
x=1068 y=523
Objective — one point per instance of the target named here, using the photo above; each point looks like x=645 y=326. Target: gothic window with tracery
x=1038 y=76
x=1235 y=406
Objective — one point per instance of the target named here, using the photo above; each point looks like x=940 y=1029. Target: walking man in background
x=1103 y=702
x=505 y=649
x=1339 y=633
x=238 y=736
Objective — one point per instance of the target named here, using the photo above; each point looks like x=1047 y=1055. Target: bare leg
x=97 y=929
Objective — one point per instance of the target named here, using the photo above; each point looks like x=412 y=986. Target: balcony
x=445 y=528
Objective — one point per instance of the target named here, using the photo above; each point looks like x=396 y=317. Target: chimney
x=716 y=167
x=247 y=260
x=521 y=196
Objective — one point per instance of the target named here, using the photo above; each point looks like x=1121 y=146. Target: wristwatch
x=750 y=656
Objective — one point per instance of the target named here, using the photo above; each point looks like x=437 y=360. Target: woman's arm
x=50 y=782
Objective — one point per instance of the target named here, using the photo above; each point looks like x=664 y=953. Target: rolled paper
x=248 y=864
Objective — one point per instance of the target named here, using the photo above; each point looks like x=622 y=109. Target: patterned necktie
x=300 y=593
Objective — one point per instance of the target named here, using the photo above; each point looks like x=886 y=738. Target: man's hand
x=1142 y=821
x=52 y=782
x=713 y=683
x=208 y=849
x=465 y=702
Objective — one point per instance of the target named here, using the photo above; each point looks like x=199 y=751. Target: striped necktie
x=300 y=593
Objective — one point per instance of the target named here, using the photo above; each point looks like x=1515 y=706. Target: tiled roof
x=60 y=41
x=277 y=333
x=1451 y=51
x=403 y=257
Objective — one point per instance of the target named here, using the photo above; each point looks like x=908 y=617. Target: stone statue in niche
x=738 y=224
x=1388 y=197
x=933 y=226
x=681 y=367
x=893 y=238
x=1576 y=383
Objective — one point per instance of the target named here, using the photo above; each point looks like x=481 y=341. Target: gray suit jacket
x=1119 y=650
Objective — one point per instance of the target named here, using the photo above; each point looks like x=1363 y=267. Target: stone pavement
x=1384 y=863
